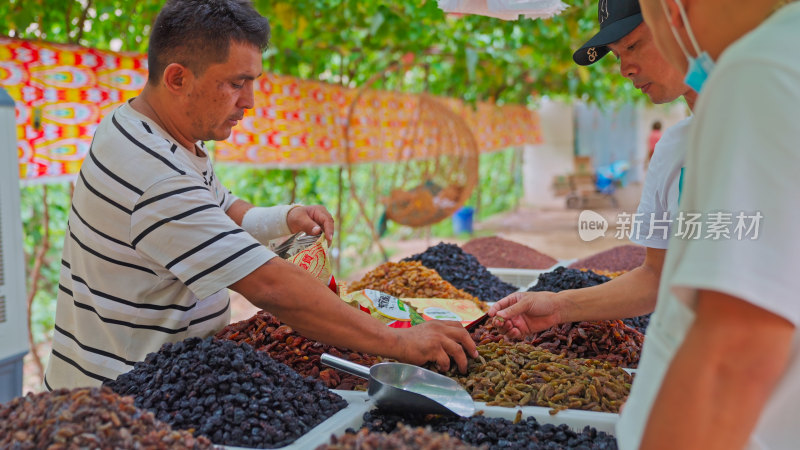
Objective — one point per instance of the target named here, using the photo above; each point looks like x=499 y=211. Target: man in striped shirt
x=155 y=240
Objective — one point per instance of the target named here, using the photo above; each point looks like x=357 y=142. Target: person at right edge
x=720 y=367
x=623 y=33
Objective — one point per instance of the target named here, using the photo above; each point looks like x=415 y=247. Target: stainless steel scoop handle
x=345 y=365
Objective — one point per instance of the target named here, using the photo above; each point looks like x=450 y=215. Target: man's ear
x=176 y=77
x=673 y=13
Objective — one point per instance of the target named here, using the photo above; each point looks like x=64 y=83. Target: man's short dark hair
x=197 y=33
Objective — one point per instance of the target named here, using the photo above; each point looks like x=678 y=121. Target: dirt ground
x=550 y=231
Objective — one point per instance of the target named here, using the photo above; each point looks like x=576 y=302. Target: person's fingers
x=324 y=220
x=442 y=360
x=506 y=325
x=515 y=310
x=514 y=333
x=503 y=304
x=463 y=338
x=456 y=351
x=303 y=221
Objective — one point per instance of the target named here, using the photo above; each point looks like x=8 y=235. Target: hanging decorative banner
x=61 y=94
x=63 y=91
x=301 y=123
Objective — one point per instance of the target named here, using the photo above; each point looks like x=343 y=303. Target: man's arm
x=629 y=295
x=309 y=307
x=721 y=377
x=237 y=210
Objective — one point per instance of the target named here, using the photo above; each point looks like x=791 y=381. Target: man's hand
x=437 y=341
x=524 y=313
x=313 y=219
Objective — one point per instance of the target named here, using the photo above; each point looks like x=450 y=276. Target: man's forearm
x=322 y=315
x=720 y=378
x=629 y=295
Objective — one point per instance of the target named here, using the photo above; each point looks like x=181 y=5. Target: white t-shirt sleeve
x=652 y=207
x=187 y=232
x=652 y=224
x=745 y=161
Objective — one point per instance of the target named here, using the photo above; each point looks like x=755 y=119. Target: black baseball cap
x=617 y=18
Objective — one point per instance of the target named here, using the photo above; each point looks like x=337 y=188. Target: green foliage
x=58 y=201
x=348 y=42
x=500 y=185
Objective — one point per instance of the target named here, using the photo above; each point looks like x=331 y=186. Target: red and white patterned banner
x=63 y=91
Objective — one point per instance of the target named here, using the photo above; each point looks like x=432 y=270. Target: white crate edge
x=350 y=417
x=574 y=418
x=562 y=263
x=520 y=278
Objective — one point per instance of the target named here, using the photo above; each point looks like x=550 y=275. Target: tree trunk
x=35 y=277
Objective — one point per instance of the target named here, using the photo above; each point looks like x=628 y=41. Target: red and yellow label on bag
x=316 y=260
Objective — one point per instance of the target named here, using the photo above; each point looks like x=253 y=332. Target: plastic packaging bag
x=384 y=307
x=464 y=311
x=316 y=260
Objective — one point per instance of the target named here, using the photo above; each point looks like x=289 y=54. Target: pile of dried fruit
x=639 y=323
x=607 y=340
x=498 y=252
x=496 y=432
x=506 y=374
x=86 y=418
x=228 y=392
x=267 y=334
x=621 y=258
x=608 y=273
x=412 y=280
x=402 y=438
x=463 y=271
x=562 y=279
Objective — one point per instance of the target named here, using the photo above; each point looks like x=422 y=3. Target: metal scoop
x=405 y=387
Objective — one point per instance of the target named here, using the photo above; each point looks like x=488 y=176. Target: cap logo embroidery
x=602 y=11
x=592 y=53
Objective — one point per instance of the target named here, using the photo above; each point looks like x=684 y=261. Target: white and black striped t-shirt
x=148 y=254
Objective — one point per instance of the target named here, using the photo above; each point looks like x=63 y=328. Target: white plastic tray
x=520 y=278
x=358 y=403
x=350 y=417
x=576 y=419
x=573 y=418
x=525 y=278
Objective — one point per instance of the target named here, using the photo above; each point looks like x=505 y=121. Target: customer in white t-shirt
x=625 y=35
x=721 y=364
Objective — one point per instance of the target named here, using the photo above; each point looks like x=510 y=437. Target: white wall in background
x=553 y=157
